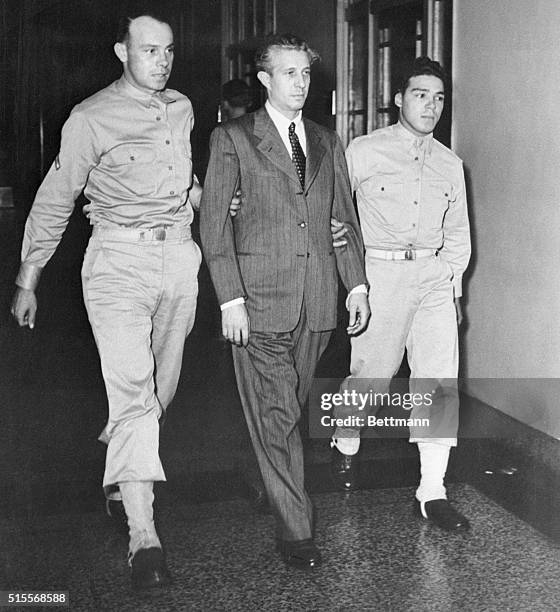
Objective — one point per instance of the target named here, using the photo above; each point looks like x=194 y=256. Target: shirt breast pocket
x=133 y=168
x=435 y=202
x=386 y=193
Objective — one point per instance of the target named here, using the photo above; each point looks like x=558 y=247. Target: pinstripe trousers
x=274 y=374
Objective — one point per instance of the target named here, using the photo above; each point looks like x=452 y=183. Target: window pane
x=357 y=76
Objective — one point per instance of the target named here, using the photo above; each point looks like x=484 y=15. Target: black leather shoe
x=344 y=470
x=149 y=569
x=302 y=554
x=441 y=513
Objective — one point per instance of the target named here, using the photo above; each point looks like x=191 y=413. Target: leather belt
x=402 y=255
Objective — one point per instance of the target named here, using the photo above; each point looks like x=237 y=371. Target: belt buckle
x=410 y=255
x=159 y=233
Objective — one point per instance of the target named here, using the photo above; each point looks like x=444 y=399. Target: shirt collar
x=145 y=98
x=282 y=123
x=412 y=141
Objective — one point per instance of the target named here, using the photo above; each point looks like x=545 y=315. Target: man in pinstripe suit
x=275 y=270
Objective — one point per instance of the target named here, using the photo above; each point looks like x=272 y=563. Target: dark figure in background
x=236 y=99
x=410 y=191
x=128 y=147
x=275 y=271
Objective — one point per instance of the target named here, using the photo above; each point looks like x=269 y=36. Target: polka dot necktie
x=298 y=156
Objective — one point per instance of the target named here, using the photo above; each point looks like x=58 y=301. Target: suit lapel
x=272 y=146
x=315 y=153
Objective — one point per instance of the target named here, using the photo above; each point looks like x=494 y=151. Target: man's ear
x=398 y=99
x=121 y=51
x=264 y=78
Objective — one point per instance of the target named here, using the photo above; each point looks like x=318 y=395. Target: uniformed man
x=129 y=147
x=410 y=192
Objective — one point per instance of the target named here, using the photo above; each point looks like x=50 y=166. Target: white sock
x=433 y=466
x=347 y=446
x=138 y=499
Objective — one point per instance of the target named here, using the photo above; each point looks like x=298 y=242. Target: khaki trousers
x=412 y=307
x=140 y=290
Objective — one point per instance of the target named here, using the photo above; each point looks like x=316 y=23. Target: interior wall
x=506 y=127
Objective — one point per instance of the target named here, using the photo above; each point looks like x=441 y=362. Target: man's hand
x=24 y=307
x=235 y=324
x=358 y=307
x=338 y=231
x=459 y=311
x=235 y=204
x=195 y=194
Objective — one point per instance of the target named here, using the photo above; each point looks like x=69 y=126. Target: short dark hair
x=123 y=28
x=236 y=93
x=421 y=66
x=263 y=58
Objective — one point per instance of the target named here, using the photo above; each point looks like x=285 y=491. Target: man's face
x=421 y=104
x=147 y=57
x=287 y=83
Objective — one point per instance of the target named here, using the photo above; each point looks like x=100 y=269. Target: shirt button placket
x=170 y=167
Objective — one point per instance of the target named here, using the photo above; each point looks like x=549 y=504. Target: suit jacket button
x=303 y=224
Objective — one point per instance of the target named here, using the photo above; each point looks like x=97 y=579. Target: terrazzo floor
x=377 y=556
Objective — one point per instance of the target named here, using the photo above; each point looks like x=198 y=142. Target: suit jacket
x=277 y=252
